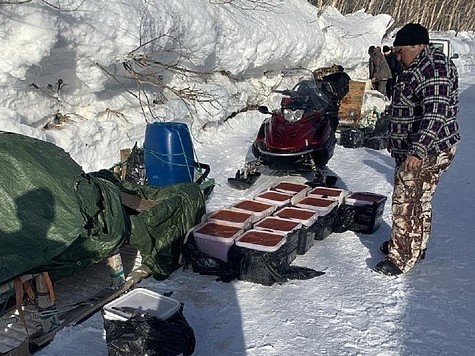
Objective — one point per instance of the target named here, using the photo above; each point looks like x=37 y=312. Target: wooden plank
x=89 y=307
x=350 y=107
x=8 y=286
x=77 y=298
x=124 y=154
x=135 y=203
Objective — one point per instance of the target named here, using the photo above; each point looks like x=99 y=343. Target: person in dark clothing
x=335 y=83
x=340 y=83
x=340 y=86
x=394 y=66
x=379 y=71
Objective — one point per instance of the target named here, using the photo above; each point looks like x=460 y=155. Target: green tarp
x=56 y=218
x=159 y=232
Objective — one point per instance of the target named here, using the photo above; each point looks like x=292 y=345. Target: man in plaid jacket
x=423 y=133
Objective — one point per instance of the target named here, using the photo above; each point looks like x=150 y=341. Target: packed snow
x=63 y=79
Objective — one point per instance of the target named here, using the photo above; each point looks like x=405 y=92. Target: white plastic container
x=258 y=209
x=329 y=193
x=320 y=205
x=306 y=217
x=141 y=300
x=290 y=228
x=261 y=240
x=273 y=197
x=231 y=217
x=274 y=223
x=297 y=190
x=215 y=239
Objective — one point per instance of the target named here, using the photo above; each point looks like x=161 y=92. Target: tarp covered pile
x=56 y=218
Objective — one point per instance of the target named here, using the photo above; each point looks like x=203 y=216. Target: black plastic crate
x=351 y=138
x=263 y=267
x=376 y=143
x=305 y=240
x=323 y=227
x=368 y=211
x=291 y=245
x=292 y=236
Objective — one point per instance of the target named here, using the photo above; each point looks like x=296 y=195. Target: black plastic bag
x=301 y=273
x=206 y=265
x=135 y=167
x=245 y=264
x=375 y=143
x=344 y=219
x=352 y=138
x=266 y=268
x=323 y=227
x=148 y=335
x=382 y=126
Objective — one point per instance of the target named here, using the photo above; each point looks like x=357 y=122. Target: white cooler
x=141 y=300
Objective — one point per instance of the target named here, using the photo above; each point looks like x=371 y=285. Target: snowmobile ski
x=322 y=179
x=243 y=180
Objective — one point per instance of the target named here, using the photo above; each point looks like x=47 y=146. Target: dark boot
x=388 y=268
x=422 y=254
x=385 y=250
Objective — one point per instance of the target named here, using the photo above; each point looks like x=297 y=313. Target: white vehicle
x=446 y=47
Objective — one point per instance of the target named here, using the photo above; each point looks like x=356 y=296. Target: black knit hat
x=411 y=34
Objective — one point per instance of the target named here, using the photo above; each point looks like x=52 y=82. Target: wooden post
x=45 y=304
x=124 y=154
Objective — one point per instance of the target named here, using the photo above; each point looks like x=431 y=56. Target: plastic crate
x=215 y=239
x=321 y=205
x=307 y=218
x=258 y=209
x=328 y=193
x=241 y=219
x=273 y=197
x=290 y=228
x=368 y=211
x=259 y=256
x=297 y=190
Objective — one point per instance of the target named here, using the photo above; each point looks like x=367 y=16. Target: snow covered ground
x=350 y=309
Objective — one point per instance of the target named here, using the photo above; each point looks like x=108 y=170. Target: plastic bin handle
x=205 y=173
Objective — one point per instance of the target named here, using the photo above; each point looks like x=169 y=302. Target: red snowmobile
x=300 y=136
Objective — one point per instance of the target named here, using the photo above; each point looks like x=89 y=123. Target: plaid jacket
x=424 y=107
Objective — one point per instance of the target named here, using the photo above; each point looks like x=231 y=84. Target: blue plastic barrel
x=168 y=154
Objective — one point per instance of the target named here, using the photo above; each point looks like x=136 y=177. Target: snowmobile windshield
x=315 y=96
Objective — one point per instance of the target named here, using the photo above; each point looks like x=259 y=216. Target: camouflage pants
x=412 y=209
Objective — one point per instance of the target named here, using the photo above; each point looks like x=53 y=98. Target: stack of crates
x=270 y=230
